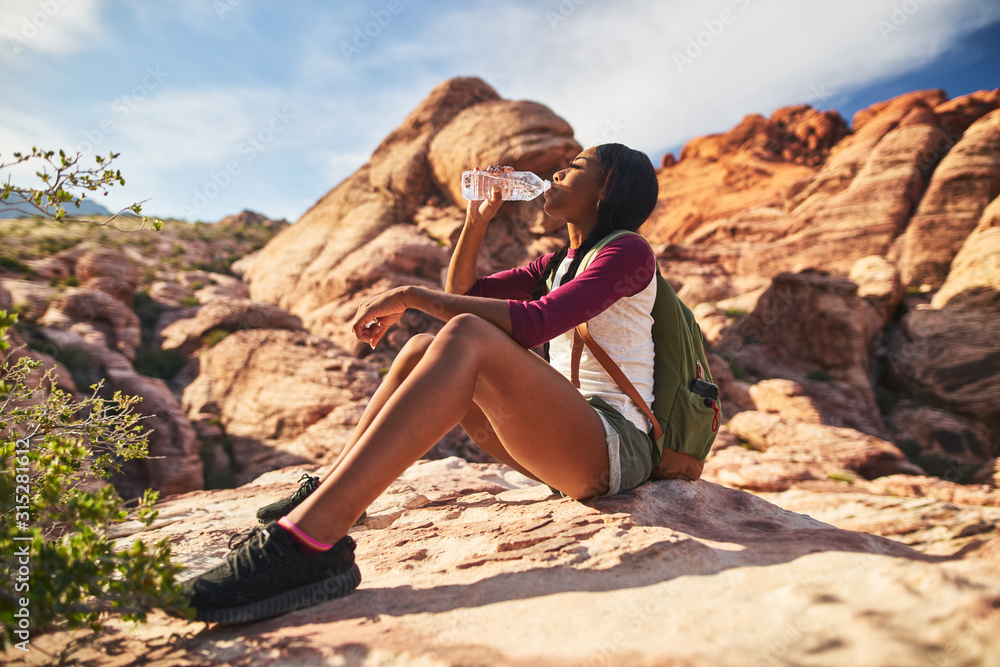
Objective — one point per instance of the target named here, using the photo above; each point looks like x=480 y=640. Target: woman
x=478 y=371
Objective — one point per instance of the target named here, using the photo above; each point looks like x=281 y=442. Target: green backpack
x=686 y=410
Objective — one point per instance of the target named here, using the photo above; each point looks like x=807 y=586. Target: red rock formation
x=965 y=181
x=109 y=271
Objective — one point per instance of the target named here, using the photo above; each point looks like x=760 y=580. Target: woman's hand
x=480 y=212
x=376 y=315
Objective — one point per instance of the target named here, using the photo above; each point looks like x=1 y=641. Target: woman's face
x=576 y=190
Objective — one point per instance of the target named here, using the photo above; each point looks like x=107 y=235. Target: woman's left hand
x=376 y=315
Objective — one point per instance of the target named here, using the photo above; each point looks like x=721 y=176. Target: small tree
x=56 y=455
x=66 y=181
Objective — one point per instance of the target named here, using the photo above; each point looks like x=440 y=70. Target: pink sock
x=308 y=544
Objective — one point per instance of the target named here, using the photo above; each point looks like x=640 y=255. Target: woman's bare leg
x=475 y=423
x=542 y=422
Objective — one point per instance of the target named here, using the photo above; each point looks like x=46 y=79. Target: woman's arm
x=462 y=268
x=377 y=314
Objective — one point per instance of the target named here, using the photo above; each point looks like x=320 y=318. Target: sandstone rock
x=169 y=294
x=878 y=282
x=989 y=474
x=932 y=525
x=805 y=324
x=955 y=441
x=523 y=135
x=29 y=299
x=871 y=183
x=959 y=113
x=573 y=583
x=967 y=179
x=827 y=448
x=173 y=465
x=733 y=392
x=977 y=264
x=228 y=315
x=786 y=399
x=398 y=256
x=60 y=265
x=292 y=269
x=247 y=218
x=100 y=311
x=949 y=358
x=109 y=271
x=266 y=387
x=713 y=320
x=819 y=402
x=934 y=487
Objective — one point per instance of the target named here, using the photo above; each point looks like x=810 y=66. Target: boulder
x=400 y=255
x=949 y=359
x=954 y=443
x=173 y=464
x=826 y=449
x=266 y=387
x=291 y=269
x=523 y=135
x=60 y=265
x=225 y=315
x=169 y=294
x=29 y=299
x=464 y=569
x=967 y=179
x=411 y=178
x=109 y=271
x=807 y=325
x=98 y=312
x=878 y=282
x=977 y=264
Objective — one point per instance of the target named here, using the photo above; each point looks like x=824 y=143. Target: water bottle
x=514 y=185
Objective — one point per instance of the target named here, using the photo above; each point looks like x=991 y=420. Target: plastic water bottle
x=514 y=185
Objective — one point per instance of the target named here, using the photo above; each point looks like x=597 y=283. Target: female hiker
x=479 y=371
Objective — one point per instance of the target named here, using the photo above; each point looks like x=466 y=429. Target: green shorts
x=630 y=451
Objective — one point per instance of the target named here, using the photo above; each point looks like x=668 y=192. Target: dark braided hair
x=627 y=199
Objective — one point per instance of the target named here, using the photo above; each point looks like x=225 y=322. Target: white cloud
x=55 y=27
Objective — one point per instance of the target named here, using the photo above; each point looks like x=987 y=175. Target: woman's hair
x=627 y=199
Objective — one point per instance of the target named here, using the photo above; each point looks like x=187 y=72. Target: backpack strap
x=583 y=334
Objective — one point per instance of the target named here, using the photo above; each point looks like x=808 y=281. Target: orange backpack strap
x=583 y=334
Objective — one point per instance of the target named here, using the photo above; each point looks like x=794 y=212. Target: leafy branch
x=62 y=176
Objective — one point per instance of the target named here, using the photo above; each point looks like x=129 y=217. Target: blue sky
x=221 y=105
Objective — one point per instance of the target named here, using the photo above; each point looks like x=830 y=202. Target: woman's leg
x=475 y=423
x=541 y=421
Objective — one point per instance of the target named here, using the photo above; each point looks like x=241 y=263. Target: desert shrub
x=68 y=572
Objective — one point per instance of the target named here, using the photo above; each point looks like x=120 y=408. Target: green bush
x=213 y=337
x=55 y=520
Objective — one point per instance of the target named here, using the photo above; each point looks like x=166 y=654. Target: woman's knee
x=411 y=353
x=466 y=328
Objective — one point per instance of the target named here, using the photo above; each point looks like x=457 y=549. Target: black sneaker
x=267 y=575
x=282 y=507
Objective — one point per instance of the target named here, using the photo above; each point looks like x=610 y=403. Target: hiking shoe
x=282 y=507
x=266 y=575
